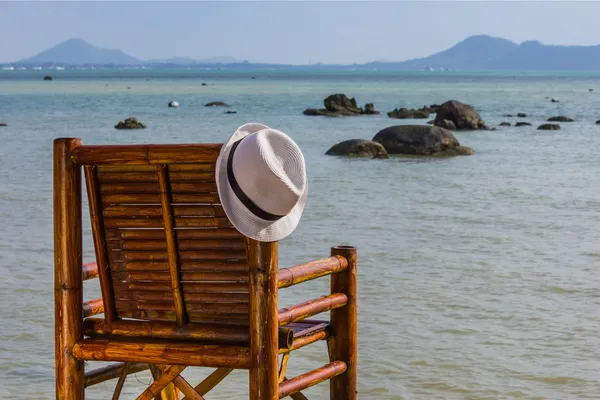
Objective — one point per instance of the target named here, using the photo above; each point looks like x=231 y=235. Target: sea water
x=478 y=275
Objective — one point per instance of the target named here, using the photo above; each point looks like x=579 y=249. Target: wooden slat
x=192 y=168
x=182 y=234
x=203 y=176
x=215 y=298
x=122 y=177
x=215 y=287
x=238 y=319
x=185 y=276
x=149 y=187
x=100 y=242
x=195 y=255
x=172 y=251
x=216 y=309
x=194 y=187
x=180 y=222
x=208 y=265
x=151 y=198
x=146 y=154
x=120 y=211
x=183 y=245
x=126 y=168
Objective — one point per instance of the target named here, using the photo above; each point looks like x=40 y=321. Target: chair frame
x=268 y=337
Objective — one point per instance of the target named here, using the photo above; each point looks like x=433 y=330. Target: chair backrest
x=166 y=251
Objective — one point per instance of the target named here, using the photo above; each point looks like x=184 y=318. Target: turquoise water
x=478 y=275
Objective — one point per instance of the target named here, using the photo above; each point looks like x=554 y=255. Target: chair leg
x=68 y=292
x=343 y=344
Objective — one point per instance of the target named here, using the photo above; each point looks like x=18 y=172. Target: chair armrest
x=309 y=308
x=312 y=270
x=89 y=271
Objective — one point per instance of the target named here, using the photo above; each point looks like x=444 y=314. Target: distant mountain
x=475 y=52
x=537 y=56
x=489 y=53
x=77 y=52
x=479 y=52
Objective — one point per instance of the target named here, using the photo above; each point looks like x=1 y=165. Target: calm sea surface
x=479 y=276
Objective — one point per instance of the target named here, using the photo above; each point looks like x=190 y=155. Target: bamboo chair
x=180 y=286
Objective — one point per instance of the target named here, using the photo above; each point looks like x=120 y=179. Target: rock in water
x=48 y=78
x=522 y=115
x=505 y=124
x=339 y=105
x=130 y=123
x=3 y=124
x=560 y=118
x=358 y=148
x=216 y=104
x=446 y=124
x=522 y=124
x=230 y=112
x=463 y=116
x=420 y=140
x=549 y=127
x=203 y=83
x=173 y=104
x=405 y=113
x=370 y=109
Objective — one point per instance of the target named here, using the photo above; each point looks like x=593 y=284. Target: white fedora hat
x=261 y=179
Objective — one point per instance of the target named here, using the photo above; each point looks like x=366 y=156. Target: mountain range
x=80 y=52
x=479 y=52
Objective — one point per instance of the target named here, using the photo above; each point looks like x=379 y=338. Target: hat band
x=253 y=208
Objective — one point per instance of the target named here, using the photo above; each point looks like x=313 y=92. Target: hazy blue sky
x=286 y=31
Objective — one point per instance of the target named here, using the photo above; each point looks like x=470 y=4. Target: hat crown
x=269 y=168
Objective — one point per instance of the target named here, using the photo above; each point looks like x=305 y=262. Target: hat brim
x=243 y=219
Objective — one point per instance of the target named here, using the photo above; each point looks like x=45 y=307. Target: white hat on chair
x=261 y=179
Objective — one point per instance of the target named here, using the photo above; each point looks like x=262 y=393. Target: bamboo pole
x=262 y=260
x=309 y=308
x=93 y=307
x=211 y=381
x=166 y=330
x=163 y=352
x=121 y=382
x=111 y=372
x=89 y=271
x=97 y=222
x=312 y=378
x=159 y=384
x=343 y=344
x=173 y=254
x=170 y=392
x=312 y=270
x=68 y=293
